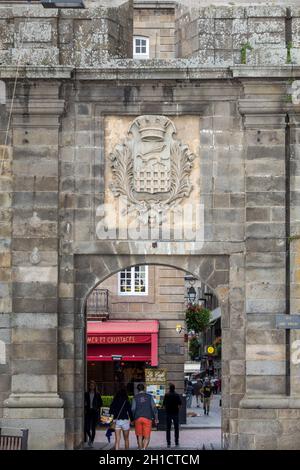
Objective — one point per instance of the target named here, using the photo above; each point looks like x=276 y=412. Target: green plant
x=197 y=318
x=294 y=237
x=194 y=348
x=245 y=47
x=107 y=400
x=288 y=53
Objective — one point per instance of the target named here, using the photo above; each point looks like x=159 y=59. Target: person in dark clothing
x=121 y=411
x=172 y=403
x=206 y=392
x=92 y=405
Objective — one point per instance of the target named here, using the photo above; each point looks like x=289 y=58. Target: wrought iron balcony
x=97 y=307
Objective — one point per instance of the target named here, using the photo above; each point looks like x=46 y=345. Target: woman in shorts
x=121 y=411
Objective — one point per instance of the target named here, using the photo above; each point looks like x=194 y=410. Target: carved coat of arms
x=151 y=168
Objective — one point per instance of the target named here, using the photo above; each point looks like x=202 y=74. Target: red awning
x=133 y=340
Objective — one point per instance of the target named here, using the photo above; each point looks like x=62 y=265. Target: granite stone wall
x=241 y=34
x=33 y=35
x=242 y=123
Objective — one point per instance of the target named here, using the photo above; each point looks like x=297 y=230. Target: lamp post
x=63 y=3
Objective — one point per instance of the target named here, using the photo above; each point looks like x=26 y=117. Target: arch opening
x=122 y=311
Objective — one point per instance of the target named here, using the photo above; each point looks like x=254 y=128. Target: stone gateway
x=108 y=156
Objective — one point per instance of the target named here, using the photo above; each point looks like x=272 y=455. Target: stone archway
x=214 y=270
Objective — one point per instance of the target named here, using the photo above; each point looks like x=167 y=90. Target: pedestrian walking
x=206 y=392
x=189 y=394
x=197 y=391
x=144 y=411
x=172 y=403
x=92 y=405
x=122 y=415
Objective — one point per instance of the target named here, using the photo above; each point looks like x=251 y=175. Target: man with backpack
x=144 y=411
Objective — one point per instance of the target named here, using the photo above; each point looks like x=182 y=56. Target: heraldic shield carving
x=150 y=168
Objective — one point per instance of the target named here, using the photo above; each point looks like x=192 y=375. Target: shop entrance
x=111 y=376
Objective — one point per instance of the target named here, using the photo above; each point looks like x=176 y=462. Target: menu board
x=156 y=376
x=157 y=391
x=156 y=384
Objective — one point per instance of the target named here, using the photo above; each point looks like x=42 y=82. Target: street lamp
x=191 y=292
x=63 y=3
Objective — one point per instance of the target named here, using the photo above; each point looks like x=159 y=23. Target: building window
x=133 y=281
x=140 y=47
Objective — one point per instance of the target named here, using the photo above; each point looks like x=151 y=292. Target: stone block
x=272 y=385
x=257 y=427
x=289 y=442
x=31 y=383
x=260 y=414
x=258 y=214
x=35 y=351
x=265 y=352
x=265 y=367
x=265 y=306
x=34 y=320
x=263 y=336
x=36 y=367
x=31 y=335
x=35 y=274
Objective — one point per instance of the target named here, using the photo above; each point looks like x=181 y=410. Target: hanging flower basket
x=197 y=318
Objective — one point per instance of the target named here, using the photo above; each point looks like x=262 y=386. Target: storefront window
x=133 y=281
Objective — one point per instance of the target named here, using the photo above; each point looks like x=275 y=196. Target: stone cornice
x=159 y=72
x=38 y=72
x=129 y=69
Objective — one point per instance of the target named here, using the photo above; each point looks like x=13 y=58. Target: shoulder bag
x=113 y=423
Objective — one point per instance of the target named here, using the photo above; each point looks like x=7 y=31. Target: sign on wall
x=155 y=376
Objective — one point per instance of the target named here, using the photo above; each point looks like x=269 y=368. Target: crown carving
x=152 y=127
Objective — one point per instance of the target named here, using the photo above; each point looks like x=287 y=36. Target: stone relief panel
x=152 y=175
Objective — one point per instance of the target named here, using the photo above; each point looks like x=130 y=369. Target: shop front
x=118 y=352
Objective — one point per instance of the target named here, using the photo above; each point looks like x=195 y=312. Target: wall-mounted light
x=179 y=328
x=63 y=3
x=192 y=294
x=191 y=291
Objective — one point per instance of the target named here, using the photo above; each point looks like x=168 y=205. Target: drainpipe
x=287 y=247
x=288 y=40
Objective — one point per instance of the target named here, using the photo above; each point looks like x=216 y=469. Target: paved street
x=189 y=439
x=200 y=430
x=213 y=420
